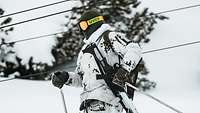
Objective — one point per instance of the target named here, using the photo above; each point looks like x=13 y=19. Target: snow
x=176 y=71
x=23 y=96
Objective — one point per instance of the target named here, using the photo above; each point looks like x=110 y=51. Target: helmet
x=90 y=21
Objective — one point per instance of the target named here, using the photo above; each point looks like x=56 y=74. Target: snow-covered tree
x=121 y=15
x=7 y=54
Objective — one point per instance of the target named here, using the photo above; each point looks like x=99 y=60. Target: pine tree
x=120 y=14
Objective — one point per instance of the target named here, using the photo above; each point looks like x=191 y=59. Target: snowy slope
x=21 y=96
x=176 y=71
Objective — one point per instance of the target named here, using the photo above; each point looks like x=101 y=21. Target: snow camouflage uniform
x=97 y=96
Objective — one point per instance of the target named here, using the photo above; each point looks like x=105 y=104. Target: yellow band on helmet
x=85 y=24
x=95 y=20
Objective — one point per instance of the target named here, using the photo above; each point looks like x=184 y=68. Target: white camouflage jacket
x=87 y=69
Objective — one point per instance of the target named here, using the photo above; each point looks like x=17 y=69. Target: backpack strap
x=108 y=44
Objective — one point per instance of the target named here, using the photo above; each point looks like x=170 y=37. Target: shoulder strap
x=108 y=43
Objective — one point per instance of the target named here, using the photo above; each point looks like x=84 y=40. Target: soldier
x=103 y=66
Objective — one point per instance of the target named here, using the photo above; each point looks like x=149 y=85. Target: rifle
x=107 y=73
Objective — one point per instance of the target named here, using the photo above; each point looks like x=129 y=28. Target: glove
x=59 y=78
x=120 y=77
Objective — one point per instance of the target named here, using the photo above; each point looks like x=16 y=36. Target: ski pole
x=148 y=95
x=63 y=100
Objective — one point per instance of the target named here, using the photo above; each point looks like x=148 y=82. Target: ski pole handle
x=152 y=97
x=63 y=100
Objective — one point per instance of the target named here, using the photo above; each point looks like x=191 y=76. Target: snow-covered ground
x=176 y=71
